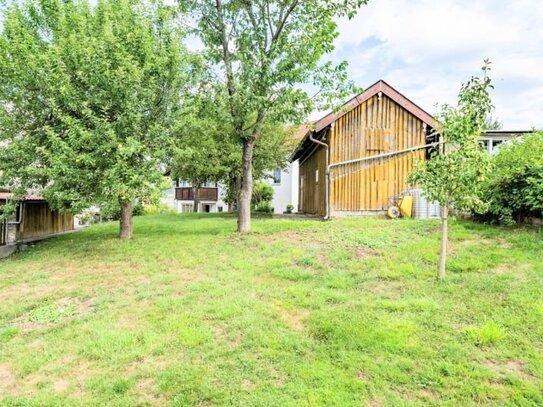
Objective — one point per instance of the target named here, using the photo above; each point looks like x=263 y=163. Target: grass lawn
x=300 y=312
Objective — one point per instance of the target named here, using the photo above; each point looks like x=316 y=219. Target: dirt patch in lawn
x=384 y=288
x=233 y=341
x=293 y=318
x=247 y=384
x=364 y=253
x=60 y=386
x=361 y=376
x=516 y=269
x=296 y=238
x=7 y=380
x=146 y=390
x=513 y=366
x=428 y=394
x=497 y=242
x=61 y=311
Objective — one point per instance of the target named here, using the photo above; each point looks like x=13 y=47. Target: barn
x=356 y=160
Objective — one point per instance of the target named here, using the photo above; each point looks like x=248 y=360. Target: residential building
x=209 y=197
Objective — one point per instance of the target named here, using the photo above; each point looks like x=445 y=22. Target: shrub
x=514 y=190
x=290 y=208
x=262 y=193
x=138 y=209
x=155 y=209
x=264 y=207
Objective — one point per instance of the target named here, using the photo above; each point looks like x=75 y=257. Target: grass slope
x=298 y=313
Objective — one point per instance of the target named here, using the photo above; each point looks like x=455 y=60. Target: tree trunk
x=196 y=199
x=125 y=221
x=246 y=189
x=237 y=188
x=444 y=238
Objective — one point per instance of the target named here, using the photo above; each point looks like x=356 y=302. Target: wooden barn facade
x=33 y=220
x=357 y=160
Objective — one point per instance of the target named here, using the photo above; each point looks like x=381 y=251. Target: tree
x=86 y=94
x=263 y=52
x=201 y=152
x=453 y=176
x=493 y=124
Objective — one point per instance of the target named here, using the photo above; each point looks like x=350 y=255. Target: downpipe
x=327 y=175
x=21 y=212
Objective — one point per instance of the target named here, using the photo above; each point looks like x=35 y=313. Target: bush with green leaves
x=514 y=190
x=262 y=193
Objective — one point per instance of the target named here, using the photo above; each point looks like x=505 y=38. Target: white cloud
x=427 y=48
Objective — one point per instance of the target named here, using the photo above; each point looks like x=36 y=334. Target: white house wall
x=286 y=192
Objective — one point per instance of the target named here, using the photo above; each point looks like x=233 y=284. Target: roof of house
x=505 y=133
x=31 y=197
x=378 y=87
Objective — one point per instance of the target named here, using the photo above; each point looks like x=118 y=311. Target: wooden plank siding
x=40 y=220
x=377 y=126
x=312 y=197
x=204 y=194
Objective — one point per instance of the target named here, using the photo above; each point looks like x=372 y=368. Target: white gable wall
x=286 y=192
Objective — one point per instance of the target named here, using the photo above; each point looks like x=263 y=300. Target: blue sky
x=427 y=48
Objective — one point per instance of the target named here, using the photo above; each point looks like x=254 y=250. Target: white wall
x=286 y=192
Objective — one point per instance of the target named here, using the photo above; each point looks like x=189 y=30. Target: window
x=316 y=175
x=220 y=208
x=495 y=146
x=277 y=176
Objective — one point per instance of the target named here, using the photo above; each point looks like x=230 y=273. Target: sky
x=427 y=48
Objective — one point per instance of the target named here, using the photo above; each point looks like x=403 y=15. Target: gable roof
x=378 y=87
x=386 y=89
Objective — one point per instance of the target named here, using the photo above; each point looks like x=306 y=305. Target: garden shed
x=32 y=220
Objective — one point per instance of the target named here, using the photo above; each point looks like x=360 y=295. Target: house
x=491 y=140
x=357 y=160
x=285 y=188
x=33 y=220
x=209 y=197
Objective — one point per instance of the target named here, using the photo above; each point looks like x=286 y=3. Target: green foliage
x=86 y=95
x=264 y=207
x=514 y=189
x=264 y=52
x=267 y=49
x=262 y=193
x=290 y=208
x=156 y=209
x=454 y=176
x=204 y=152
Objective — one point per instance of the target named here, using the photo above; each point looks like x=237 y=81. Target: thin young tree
x=264 y=52
x=86 y=94
x=454 y=175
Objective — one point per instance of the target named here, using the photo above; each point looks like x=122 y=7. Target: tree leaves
x=86 y=95
x=455 y=176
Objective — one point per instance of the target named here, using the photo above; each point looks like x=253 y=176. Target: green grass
x=298 y=313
